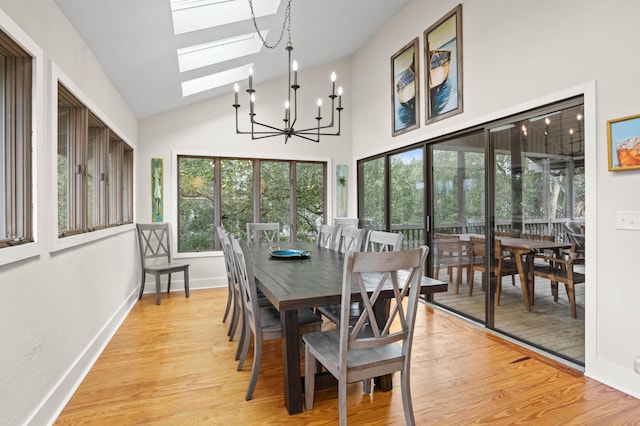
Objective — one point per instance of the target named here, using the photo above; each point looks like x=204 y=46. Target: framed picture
x=443 y=66
x=156 y=190
x=405 y=89
x=623 y=136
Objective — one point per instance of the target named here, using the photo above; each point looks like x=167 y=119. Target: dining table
x=307 y=281
x=524 y=251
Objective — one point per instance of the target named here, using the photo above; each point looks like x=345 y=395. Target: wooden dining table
x=294 y=283
x=524 y=254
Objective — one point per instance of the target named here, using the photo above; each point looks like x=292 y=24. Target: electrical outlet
x=636 y=365
x=628 y=220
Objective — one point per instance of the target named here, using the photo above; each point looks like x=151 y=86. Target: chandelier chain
x=286 y=24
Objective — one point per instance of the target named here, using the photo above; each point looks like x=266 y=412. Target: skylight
x=212 y=81
x=201 y=55
x=193 y=15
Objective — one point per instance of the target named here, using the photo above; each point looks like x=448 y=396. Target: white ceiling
x=135 y=43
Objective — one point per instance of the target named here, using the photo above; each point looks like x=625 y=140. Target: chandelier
x=261 y=130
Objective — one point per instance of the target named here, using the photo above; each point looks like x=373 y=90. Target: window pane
x=407 y=196
x=310 y=212
x=275 y=195
x=373 y=190
x=64 y=121
x=236 y=195
x=195 y=204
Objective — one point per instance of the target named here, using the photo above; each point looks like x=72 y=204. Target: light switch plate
x=628 y=220
x=636 y=365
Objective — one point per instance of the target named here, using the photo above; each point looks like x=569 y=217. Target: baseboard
x=53 y=404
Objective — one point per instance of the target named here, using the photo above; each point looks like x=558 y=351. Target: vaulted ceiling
x=134 y=40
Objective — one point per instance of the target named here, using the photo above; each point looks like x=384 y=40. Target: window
x=231 y=192
x=95 y=171
x=15 y=143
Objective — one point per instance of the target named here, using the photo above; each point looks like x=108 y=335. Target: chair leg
x=366 y=386
x=243 y=346
x=342 y=401
x=235 y=319
x=309 y=378
x=229 y=301
x=498 y=289
x=255 y=368
x=186 y=283
x=243 y=338
x=436 y=272
x=158 y=289
x=471 y=278
x=406 y=398
x=169 y=283
x=572 y=299
x=554 y=290
x=142 y=281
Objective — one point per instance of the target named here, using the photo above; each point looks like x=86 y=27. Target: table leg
x=291 y=361
x=524 y=281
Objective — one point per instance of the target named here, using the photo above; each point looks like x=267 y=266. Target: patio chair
x=450 y=253
x=501 y=266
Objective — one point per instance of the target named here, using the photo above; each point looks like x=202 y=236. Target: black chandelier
x=261 y=130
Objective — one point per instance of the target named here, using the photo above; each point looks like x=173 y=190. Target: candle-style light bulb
x=251 y=78
x=294 y=66
x=579 y=117
x=236 y=88
x=333 y=83
x=286 y=110
x=319 y=106
x=547 y=121
x=340 y=97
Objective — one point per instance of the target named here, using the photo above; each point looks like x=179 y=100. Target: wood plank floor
x=173 y=364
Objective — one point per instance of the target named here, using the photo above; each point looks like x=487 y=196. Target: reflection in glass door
x=458 y=208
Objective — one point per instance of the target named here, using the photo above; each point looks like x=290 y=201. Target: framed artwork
x=623 y=135
x=443 y=66
x=156 y=190
x=341 y=190
x=405 y=89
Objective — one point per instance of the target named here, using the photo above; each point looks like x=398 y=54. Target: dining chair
x=229 y=307
x=327 y=236
x=372 y=346
x=383 y=241
x=234 y=289
x=350 y=239
x=269 y=232
x=501 y=266
x=450 y=253
x=346 y=222
x=576 y=236
x=154 y=243
x=560 y=269
x=261 y=322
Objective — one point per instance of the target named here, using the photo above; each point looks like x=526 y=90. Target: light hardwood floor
x=173 y=364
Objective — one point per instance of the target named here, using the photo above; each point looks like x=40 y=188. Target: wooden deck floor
x=548 y=324
x=173 y=364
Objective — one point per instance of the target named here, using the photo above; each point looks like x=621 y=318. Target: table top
x=521 y=243
x=292 y=283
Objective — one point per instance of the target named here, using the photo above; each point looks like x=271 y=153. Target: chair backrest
x=227 y=251
x=327 y=236
x=154 y=242
x=383 y=241
x=346 y=222
x=269 y=232
x=477 y=249
x=574 y=233
x=247 y=284
x=446 y=245
x=505 y=234
x=369 y=273
x=350 y=239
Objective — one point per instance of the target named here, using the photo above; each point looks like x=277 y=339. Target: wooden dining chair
x=450 y=253
x=154 y=243
x=234 y=288
x=560 y=269
x=327 y=236
x=383 y=241
x=269 y=232
x=261 y=322
x=350 y=239
x=229 y=307
x=501 y=266
x=371 y=347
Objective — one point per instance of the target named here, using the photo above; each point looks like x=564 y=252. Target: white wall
x=208 y=128
x=60 y=301
x=518 y=55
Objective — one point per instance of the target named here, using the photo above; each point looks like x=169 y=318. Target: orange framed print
x=623 y=135
x=405 y=89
